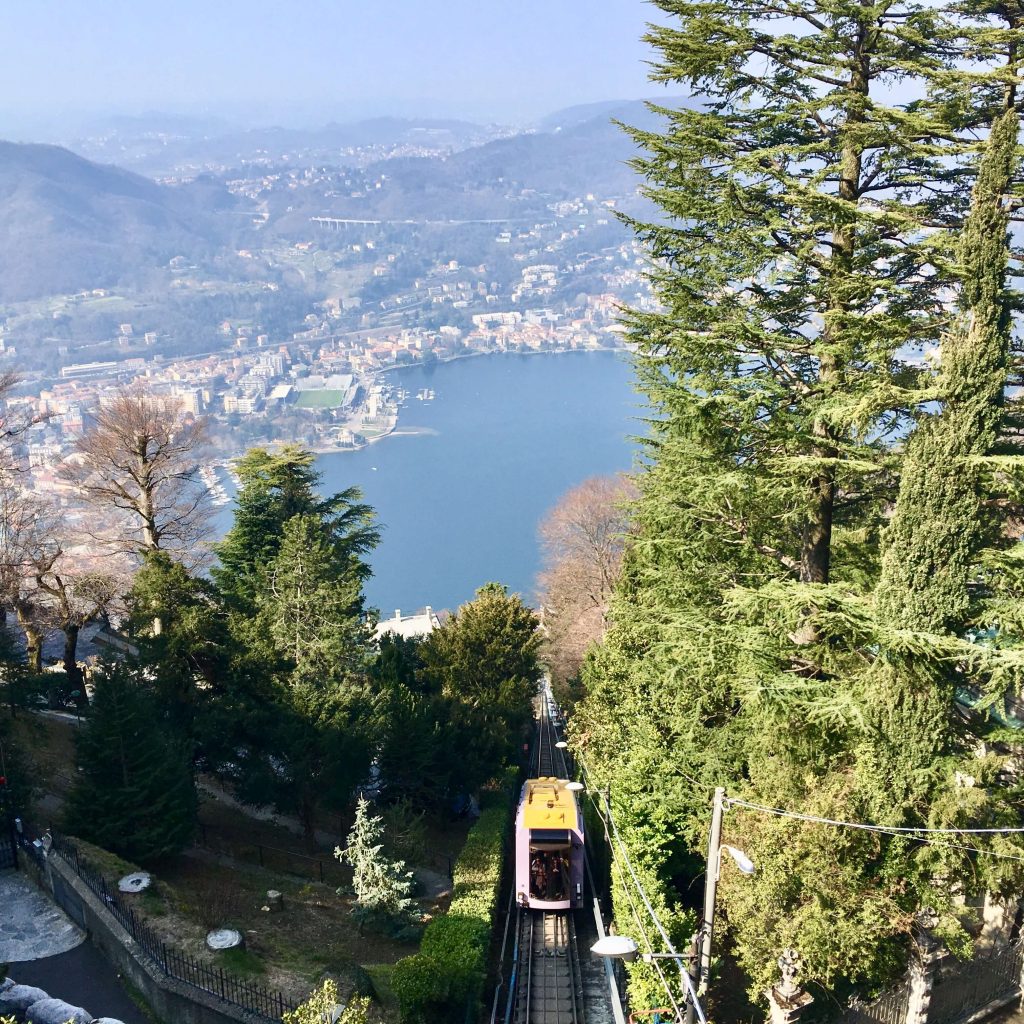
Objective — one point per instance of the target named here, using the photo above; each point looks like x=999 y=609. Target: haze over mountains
x=71 y=223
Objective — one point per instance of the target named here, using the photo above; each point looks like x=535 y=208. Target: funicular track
x=549 y=989
x=548 y=985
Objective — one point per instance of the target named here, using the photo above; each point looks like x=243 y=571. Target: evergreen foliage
x=133 y=791
x=288 y=724
x=19 y=775
x=382 y=886
x=940 y=522
x=484 y=662
x=190 y=653
x=275 y=488
x=323 y=1002
x=445 y=978
x=809 y=241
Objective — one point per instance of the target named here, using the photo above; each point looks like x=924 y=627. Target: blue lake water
x=505 y=437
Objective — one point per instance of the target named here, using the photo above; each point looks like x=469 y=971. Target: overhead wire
x=642 y=929
x=894 y=829
x=610 y=821
x=917 y=835
x=636 y=915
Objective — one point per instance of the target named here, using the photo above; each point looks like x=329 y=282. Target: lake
x=504 y=438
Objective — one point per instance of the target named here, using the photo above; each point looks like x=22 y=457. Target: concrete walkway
x=31 y=926
x=83 y=978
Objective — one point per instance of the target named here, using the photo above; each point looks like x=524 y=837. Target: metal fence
x=181 y=966
x=8 y=851
x=889 y=1008
x=962 y=989
x=273 y=858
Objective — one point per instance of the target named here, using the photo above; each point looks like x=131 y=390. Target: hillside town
x=326 y=385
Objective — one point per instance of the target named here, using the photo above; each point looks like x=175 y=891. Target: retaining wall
x=173 y=1001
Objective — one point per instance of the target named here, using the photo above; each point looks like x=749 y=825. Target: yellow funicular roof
x=549 y=804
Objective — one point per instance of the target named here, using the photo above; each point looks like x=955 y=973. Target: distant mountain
x=68 y=224
x=515 y=177
x=142 y=146
x=627 y=111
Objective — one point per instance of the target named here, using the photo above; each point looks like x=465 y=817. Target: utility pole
x=711 y=889
x=700 y=964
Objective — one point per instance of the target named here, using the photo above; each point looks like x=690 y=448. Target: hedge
x=447 y=975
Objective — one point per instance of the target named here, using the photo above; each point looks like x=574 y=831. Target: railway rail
x=546 y=985
x=548 y=759
x=549 y=988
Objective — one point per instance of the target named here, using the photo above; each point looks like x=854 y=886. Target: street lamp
x=700 y=976
x=622 y=947
x=743 y=862
x=618 y=947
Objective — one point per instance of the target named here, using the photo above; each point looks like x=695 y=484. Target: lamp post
x=700 y=969
x=622 y=947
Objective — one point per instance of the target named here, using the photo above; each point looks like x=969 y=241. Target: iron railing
x=889 y=1008
x=269 y=1004
x=241 y=847
x=962 y=989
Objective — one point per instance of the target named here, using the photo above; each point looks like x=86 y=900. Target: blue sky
x=310 y=59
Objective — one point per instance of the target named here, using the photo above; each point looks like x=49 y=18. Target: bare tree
x=15 y=420
x=140 y=460
x=582 y=541
x=74 y=593
x=26 y=524
x=49 y=583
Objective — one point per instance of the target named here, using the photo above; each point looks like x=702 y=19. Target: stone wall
x=173 y=1001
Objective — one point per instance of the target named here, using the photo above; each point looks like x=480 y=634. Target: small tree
x=323 y=1003
x=382 y=886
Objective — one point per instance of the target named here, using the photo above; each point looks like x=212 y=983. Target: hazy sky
x=266 y=59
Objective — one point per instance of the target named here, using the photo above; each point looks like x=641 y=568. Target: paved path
x=221 y=795
x=1012 y=1014
x=81 y=977
x=32 y=926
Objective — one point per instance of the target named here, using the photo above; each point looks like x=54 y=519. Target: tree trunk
x=816 y=546
x=33 y=644
x=76 y=680
x=816 y=539
x=307 y=816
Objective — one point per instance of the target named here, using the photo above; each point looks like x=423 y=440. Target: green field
x=325 y=399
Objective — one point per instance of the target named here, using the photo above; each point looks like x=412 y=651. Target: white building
x=418 y=624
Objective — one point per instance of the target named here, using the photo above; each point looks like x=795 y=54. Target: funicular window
x=549 y=864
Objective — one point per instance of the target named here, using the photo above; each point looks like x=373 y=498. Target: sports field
x=321 y=399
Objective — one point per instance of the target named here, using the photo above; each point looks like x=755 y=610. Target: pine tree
x=292 y=712
x=383 y=887
x=803 y=261
x=941 y=522
x=313 y=602
x=484 y=662
x=189 y=655
x=133 y=793
x=274 y=489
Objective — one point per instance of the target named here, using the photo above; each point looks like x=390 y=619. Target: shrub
x=437 y=983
